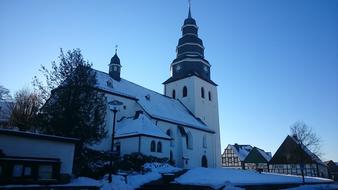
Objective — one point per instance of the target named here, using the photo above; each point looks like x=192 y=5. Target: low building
x=333 y=169
x=257 y=159
x=234 y=155
x=27 y=158
x=291 y=157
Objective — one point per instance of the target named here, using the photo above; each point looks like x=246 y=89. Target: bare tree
x=307 y=139
x=25 y=109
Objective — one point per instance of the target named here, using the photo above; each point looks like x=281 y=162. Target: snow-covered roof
x=241 y=150
x=139 y=126
x=37 y=136
x=266 y=155
x=155 y=104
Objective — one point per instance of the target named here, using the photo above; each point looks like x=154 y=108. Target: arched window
x=185 y=91
x=159 y=146
x=189 y=140
x=170 y=134
x=174 y=94
x=204 y=141
x=209 y=95
x=152 y=146
x=202 y=92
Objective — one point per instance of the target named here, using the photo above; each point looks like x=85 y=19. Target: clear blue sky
x=275 y=61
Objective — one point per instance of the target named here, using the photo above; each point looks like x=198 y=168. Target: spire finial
x=189 y=14
x=116 y=49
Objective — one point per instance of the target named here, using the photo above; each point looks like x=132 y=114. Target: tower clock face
x=178 y=68
x=205 y=68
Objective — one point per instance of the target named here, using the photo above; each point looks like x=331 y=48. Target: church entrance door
x=204 y=161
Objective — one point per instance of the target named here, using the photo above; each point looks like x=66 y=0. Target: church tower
x=115 y=67
x=190 y=82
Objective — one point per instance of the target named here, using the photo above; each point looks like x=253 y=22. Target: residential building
x=291 y=157
x=333 y=169
x=257 y=159
x=234 y=155
x=27 y=158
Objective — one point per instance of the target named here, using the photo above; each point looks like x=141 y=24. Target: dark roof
x=257 y=155
x=332 y=166
x=37 y=136
x=172 y=79
x=115 y=60
x=290 y=152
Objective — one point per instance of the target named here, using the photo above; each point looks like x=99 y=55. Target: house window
x=185 y=91
x=209 y=94
x=45 y=172
x=174 y=94
x=159 y=146
x=189 y=140
x=27 y=171
x=17 y=170
x=202 y=92
x=204 y=141
x=152 y=146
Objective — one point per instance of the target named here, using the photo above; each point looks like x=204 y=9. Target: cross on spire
x=189 y=14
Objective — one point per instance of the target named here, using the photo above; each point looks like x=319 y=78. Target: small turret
x=115 y=67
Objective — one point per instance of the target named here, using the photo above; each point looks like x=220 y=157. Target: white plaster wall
x=128 y=109
x=179 y=147
x=28 y=147
x=204 y=109
x=128 y=145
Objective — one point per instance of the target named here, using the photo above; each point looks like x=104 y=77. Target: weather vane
x=116 y=49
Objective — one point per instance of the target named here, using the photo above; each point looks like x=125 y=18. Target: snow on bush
x=161 y=167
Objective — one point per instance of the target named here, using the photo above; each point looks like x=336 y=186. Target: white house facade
x=182 y=124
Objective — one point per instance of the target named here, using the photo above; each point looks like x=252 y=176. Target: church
x=182 y=124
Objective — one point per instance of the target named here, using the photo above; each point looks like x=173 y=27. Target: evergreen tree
x=75 y=108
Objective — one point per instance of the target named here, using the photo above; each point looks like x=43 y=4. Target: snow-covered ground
x=119 y=182
x=129 y=182
x=219 y=177
x=316 y=187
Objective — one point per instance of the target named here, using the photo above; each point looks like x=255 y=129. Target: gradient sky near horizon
x=275 y=61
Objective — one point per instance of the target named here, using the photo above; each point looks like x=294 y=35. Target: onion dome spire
x=190 y=54
x=115 y=66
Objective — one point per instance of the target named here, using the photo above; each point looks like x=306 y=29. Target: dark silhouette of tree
x=25 y=109
x=74 y=107
x=306 y=139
